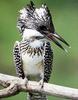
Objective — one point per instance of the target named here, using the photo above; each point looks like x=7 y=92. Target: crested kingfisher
x=33 y=55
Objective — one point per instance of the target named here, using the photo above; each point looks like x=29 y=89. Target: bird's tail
x=36 y=96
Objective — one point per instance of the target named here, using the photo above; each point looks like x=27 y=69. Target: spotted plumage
x=18 y=60
x=48 y=59
x=33 y=55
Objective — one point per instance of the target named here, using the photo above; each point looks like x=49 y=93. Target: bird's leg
x=41 y=82
x=25 y=81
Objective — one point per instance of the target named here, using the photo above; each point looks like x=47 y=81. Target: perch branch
x=14 y=85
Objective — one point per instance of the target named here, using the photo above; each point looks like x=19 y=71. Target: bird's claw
x=41 y=83
x=26 y=81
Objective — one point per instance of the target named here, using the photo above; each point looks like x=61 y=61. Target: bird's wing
x=48 y=59
x=18 y=60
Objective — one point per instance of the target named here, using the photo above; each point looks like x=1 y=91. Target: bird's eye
x=42 y=27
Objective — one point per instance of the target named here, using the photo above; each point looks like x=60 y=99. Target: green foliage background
x=65 y=18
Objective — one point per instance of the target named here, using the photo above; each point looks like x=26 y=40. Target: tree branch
x=14 y=85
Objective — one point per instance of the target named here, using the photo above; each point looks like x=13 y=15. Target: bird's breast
x=32 y=59
x=32 y=65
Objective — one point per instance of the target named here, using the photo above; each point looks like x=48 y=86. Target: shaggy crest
x=34 y=18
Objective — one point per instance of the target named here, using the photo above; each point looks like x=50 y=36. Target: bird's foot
x=41 y=83
x=25 y=81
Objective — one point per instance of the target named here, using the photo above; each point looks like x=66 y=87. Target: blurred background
x=65 y=18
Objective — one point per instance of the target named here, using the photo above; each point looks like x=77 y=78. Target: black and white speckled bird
x=33 y=55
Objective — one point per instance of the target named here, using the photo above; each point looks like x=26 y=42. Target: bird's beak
x=55 y=37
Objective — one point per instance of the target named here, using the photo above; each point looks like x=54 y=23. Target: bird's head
x=40 y=21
